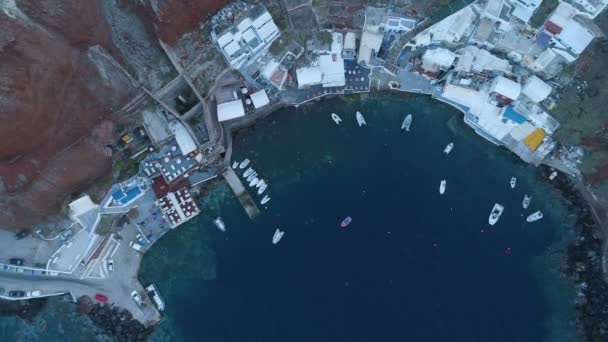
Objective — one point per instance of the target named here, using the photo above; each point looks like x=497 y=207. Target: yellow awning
x=535 y=139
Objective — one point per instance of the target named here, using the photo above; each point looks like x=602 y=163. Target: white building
x=248 y=38
x=178 y=207
x=436 y=60
x=350 y=46
x=309 y=76
x=260 y=99
x=230 y=110
x=536 y=89
x=505 y=89
x=182 y=137
x=451 y=29
x=572 y=40
x=524 y=9
x=472 y=58
x=592 y=8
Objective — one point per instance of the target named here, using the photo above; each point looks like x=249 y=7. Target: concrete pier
x=241 y=193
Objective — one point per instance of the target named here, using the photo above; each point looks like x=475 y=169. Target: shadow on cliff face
x=52 y=96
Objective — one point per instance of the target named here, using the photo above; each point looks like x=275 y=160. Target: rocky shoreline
x=584 y=262
x=114 y=322
x=27 y=310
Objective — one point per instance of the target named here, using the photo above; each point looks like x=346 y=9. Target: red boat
x=346 y=222
x=101 y=298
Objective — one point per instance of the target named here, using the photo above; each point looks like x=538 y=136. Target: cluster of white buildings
x=328 y=67
x=492 y=74
x=250 y=35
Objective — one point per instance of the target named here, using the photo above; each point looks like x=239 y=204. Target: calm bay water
x=412 y=266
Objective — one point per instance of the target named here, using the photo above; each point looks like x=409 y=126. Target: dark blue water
x=412 y=266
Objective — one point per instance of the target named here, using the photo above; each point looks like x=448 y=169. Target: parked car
x=16 y=294
x=101 y=298
x=16 y=261
x=140 y=238
x=137 y=298
x=66 y=234
x=135 y=246
x=22 y=234
x=35 y=293
x=110 y=265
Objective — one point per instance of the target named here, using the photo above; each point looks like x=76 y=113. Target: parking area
x=69 y=255
x=32 y=250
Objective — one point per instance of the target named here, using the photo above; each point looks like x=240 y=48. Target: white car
x=135 y=246
x=137 y=298
x=110 y=265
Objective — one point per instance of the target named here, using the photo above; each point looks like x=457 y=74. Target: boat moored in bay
x=526 y=202
x=442 y=186
x=278 y=234
x=219 y=223
x=244 y=163
x=495 y=214
x=407 y=122
x=265 y=199
x=346 y=222
x=535 y=216
x=360 y=119
x=513 y=182
x=155 y=296
x=448 y=148
x=336 y=118
x=235 y=164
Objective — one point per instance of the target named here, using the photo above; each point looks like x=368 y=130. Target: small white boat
x=407 y=122
x=259 y=184
x=553 y=175
x=278 y=234
x=254 y=181
x=262 y=188
x=535 y=216
x=244 y=163
x=526 y=202
x=235 y=164
x=360 y=119
x=513 y=182
x=448 y=148
x=442 y=186
x=219 y=223
x=247 y=172
x=336 y=118
x=251 y=176
x=155 y=296
x=265 y=199
x=495 y=214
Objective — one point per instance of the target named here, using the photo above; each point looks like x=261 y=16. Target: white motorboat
x=260 y=183
x=360 y=119
x=448 y=148
x=254 y=181
x=553 y=175
x=336 y=118
x=265 y=200
x=535 y=216
x=244 y=163
x=247 y=172
x=442 y=186
x=252 y=176
x=155 y=296
x=278 y=234
x=219 y=223
x=526 y=202
x=407 y=122
x=513 y=182
x=262 y=188
x=495 y=214
x=235 y=164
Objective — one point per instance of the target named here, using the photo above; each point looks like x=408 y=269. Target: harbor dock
x=241 y=193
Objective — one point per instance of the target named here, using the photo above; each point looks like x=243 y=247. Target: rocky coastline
x=114 y=322
x=584 y=262
x=27 y=310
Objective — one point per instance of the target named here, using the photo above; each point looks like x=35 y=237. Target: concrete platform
x=241 y=193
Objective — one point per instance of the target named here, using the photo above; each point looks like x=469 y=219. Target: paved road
x=48 y=284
